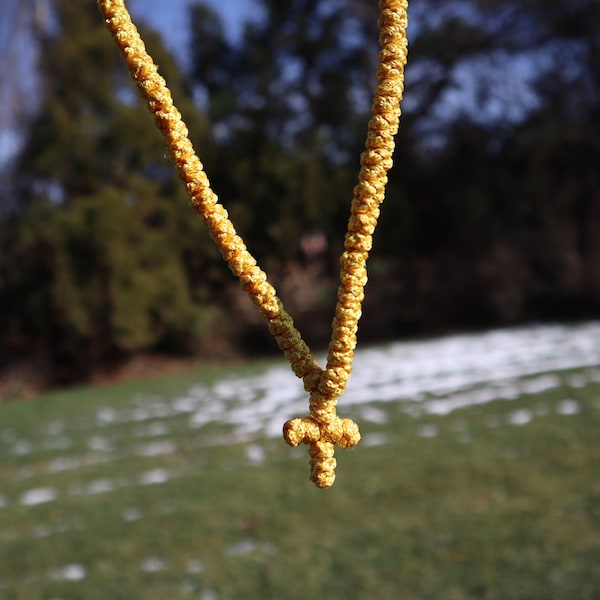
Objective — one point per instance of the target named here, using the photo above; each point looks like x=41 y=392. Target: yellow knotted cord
x=322 y=429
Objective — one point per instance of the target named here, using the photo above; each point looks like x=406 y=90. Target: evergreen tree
x=490 y=215
x=502 y=198
x=105 y=246
x=289 y=107
x=476 y=227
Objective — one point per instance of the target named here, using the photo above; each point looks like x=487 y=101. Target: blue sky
x=509 y=85
x=169 y=17
x=166 y=16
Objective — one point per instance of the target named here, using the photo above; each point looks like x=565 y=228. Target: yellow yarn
x=322 y=429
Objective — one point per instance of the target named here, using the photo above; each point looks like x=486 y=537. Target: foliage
x=283 y=112
x=491 y=212
x=100 y=243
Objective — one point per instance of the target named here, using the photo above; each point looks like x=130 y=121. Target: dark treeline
x=491 y=215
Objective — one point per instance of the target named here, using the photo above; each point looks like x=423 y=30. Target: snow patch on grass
x=38 y=496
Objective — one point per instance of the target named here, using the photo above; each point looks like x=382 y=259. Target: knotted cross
x=322 y=430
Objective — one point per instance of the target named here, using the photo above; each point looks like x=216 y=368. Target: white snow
x=435 y=376
x=428 y=377
x=100 y=486
x=156 y=448
x=568 y=407
x=255 y=454
x=249 y=546
x=106 y=415
x=153 y=564
x=153 y=429
x=373 y=415
x=195 y=566
x=374 y=439
x=441 y=375
x=38 y=496
x=131 y=513
x=520 y=417
x=21 y=448
x=428 y=430
x=99 y=443
x=154 y=476
x=71 y=572
x=55 y=427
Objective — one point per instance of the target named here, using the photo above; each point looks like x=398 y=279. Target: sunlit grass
x=497 y=500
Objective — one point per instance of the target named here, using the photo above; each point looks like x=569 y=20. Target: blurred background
x=491 y=216
x=476 y=384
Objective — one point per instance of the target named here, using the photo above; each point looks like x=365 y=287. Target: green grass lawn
x=106 y=494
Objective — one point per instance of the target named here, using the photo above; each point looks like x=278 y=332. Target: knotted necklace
x=322 y=429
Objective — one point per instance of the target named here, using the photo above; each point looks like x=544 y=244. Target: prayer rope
x=322 y=429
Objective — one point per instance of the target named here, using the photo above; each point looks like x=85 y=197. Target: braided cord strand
x=376 y=161
x=322 y=429
x=191 y=171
